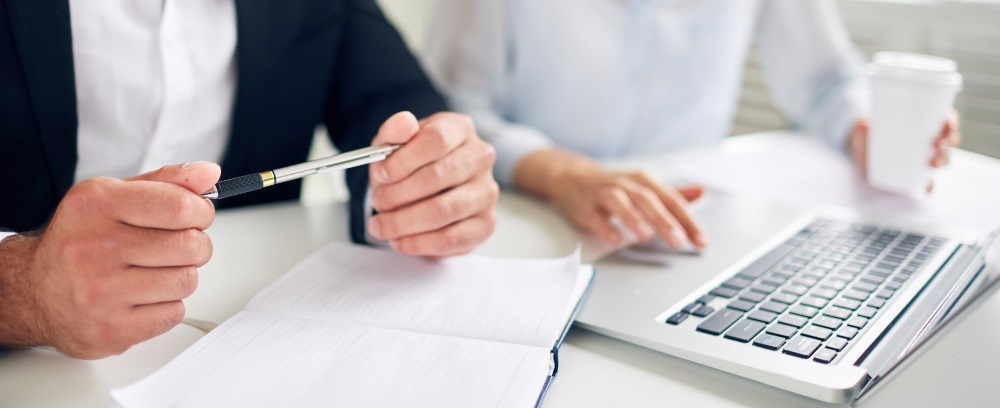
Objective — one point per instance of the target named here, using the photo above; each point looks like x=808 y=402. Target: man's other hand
x=435 y=195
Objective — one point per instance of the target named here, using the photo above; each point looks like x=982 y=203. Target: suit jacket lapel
x=44 y=42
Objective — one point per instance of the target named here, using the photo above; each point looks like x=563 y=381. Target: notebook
x=824 y=302
x=358 y=326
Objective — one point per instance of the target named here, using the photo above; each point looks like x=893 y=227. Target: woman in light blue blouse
x=553 y=83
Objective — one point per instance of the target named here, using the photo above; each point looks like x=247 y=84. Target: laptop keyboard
x=812 y=295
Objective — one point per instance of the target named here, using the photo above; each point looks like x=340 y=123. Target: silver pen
x=257 y=181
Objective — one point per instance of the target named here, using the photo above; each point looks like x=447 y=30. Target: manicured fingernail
x=194 y=165
x=373 y=228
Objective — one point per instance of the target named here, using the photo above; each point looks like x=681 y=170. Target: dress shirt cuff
x=369 y=212
x=513 y=143
x=4 y=233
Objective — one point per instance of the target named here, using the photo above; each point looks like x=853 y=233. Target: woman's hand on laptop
x=589 y=196
x=949 y=137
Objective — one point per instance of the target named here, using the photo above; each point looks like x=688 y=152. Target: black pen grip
x=239 y=185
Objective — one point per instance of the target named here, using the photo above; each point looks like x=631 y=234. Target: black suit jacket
x=299 y=63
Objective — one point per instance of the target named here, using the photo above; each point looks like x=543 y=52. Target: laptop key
x=762 y=264
x=754 y=297
x=802 y=347
x=837 y=313
x=677 y=318
x=723 y=291
x=736 y=283
x=705 y=299
x=867 y=312
x=781 y=330
x=740 y=305
x=837 y=344
x=769 y=341
x=885 y=293
x=817 y=332
x=744 y=331
x=847 y=333
x=793 y=320
x=786 y=298
x=856 y=295
x=833 y=285
x=828 y=322
x=692 y=307
x=825 y=356
x=824 y=293
x=865 y=287
x=813 y=301
x=703 y=311
x=857 y=322
x=764 y=288
x=804 y=311
x=773 y=307
x=873 y=279
x=894 y=285
x=847 y=303
x=795 y=290
x=876 y=303
x=720 y=321
x=762 y=316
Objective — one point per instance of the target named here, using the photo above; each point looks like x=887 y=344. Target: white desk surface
x=253 y=246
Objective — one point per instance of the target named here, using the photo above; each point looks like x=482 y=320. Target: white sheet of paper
x=261 y=360
x=471 y=296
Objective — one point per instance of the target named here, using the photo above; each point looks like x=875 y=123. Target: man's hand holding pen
x=113 y=265
x=435 y=195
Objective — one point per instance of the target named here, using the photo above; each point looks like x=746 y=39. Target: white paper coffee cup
x=911 y=97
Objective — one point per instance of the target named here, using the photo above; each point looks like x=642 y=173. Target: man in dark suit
x=102 y=263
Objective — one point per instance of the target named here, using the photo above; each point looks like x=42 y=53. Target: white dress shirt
x=610 y=78
x=155 y=82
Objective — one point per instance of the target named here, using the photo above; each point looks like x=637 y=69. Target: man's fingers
x=144 y=204
x=434 y=141
x=456 y=239
x=143 y=286
x=154 y=248
x=616 y=201
x=398 y=129
x=467 y=161
x=436 y=212
x=159 y=205
x=151 y=320
x=196 y=177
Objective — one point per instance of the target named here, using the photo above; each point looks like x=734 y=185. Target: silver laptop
x=821 y=303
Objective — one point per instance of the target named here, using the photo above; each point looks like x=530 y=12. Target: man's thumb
x=198 y=177
x=398 y=129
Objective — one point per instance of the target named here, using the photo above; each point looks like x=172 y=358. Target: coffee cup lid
x=912 y=67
